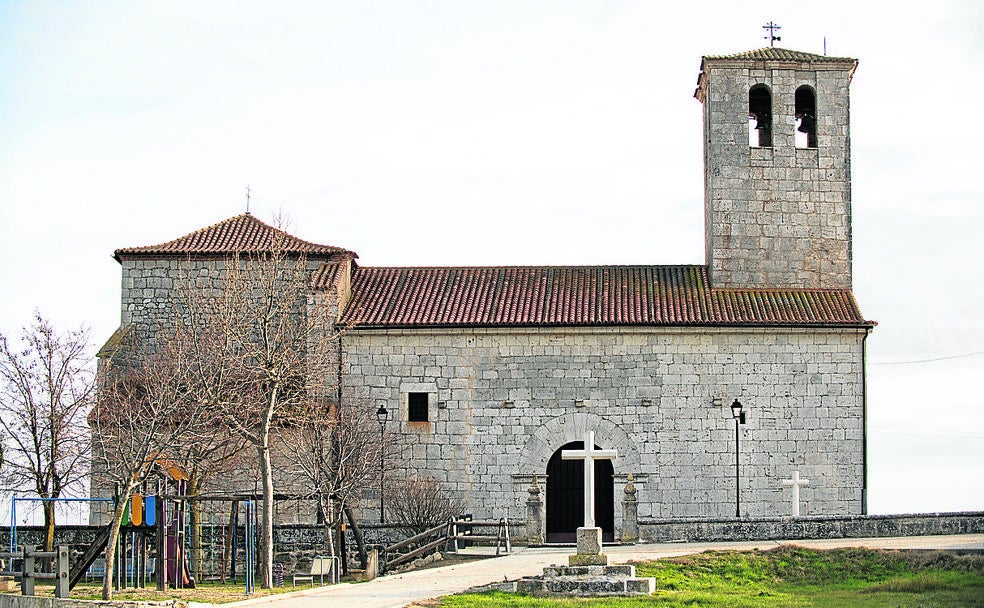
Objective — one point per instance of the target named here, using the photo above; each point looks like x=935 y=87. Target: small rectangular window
x=417 y=407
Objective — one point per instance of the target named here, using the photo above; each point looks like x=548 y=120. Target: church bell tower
x=777 y=169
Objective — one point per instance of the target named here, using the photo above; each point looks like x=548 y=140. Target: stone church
x=489 y=372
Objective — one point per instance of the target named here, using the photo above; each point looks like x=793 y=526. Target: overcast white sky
x=499 y=132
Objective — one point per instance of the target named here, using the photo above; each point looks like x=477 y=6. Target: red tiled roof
x=580 y=295
x=240 y=234
x=769 y=53
x=326 y=276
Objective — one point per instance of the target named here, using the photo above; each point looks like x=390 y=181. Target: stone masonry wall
x=501 y=402
x=152 y=286
x=779 y=216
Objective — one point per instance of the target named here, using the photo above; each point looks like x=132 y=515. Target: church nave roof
x=526 y=296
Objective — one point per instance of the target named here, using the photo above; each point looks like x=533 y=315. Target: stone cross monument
x=589 y=536
x=796 y=483
x=589 y=454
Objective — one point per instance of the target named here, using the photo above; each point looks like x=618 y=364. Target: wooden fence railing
x=28 y=573
x=461 y=531
x=451 y=534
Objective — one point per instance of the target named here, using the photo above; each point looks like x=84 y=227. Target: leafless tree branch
x=46 y=385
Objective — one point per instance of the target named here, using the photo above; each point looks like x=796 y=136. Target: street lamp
x=382 y=416
x=739 y=417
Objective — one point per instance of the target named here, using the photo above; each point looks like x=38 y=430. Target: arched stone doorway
x=565 y=496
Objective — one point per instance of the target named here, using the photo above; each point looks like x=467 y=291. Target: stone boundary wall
x=284 y=535
x=21 y=601
x=301 y=539
x=857 y=526
x=295 y=544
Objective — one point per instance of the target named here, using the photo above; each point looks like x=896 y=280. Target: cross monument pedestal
x=588 y=549
x=589 y=536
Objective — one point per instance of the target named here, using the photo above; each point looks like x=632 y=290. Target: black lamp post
x=739 y=417
x=382 y=416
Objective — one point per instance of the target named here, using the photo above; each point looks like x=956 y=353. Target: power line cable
x=944 y=358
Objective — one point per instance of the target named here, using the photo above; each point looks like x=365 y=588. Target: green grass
x=788 y=577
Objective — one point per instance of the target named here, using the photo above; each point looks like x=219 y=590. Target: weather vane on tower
x=771 y=36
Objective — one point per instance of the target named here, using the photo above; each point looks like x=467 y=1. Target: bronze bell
x=807 y=123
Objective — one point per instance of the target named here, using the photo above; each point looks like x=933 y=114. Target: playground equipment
x=156 y=540
x=150 y=536
x=170 y=538
x=35 y=500
x=134 y=562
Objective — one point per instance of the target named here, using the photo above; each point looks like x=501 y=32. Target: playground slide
x=174 y=550
x=90 y=555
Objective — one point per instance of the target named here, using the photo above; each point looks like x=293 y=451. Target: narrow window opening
x=759 y=117
x=417 y=407
x=806 y=118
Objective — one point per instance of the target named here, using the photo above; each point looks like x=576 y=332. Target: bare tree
x=46 y=383
x=146 y=411
x=334 y=452
x=261 y=353
x=419 y=503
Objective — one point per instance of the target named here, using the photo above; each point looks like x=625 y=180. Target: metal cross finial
x=248 y=193
x=771 y=36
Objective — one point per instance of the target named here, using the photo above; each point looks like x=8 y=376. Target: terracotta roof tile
x=326 y=276
x=768 y=54
x=579 y=295
x=776 y=54
x=240 y=234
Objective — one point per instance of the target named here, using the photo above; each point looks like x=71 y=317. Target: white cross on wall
x=589 y=454
x=796 y=483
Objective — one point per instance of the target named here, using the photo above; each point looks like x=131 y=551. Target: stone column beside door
x=534 y=515
x=630 y=513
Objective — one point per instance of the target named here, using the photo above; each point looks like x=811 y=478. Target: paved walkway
x=402 y=589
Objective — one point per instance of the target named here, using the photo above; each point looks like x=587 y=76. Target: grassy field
x=789 y=577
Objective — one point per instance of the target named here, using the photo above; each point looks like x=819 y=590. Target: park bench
x=321 y=566
x=96 y=571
